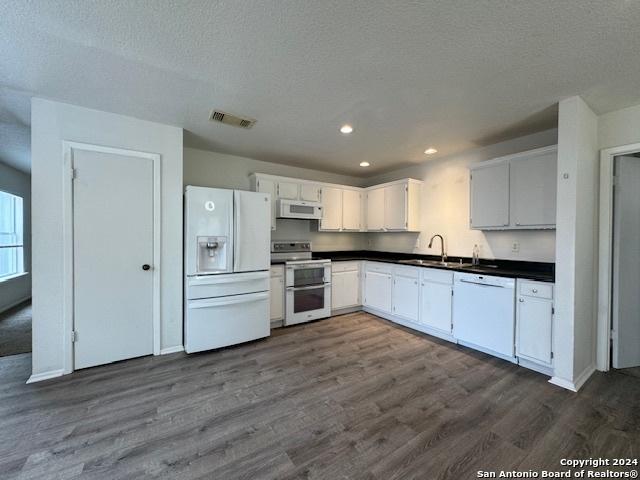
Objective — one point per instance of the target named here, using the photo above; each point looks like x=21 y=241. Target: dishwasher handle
x=462 y=280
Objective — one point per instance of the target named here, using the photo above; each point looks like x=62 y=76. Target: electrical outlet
x=515 y=247
x=418 y=243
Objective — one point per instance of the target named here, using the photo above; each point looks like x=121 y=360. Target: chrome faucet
x=442 y=254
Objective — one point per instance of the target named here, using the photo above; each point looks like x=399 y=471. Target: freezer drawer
x=220 y=322
x=212 y=286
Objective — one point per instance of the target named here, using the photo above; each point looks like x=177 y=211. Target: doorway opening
x=618 y=324
x=625 y=265
x=15 y=240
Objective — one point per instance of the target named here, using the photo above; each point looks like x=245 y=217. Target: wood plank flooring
x=351 y=397
x=15 y=330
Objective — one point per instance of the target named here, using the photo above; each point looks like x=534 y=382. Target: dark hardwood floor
x=15 y=330
x=348 y=397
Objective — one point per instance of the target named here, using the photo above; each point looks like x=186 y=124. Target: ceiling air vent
x=230 y=119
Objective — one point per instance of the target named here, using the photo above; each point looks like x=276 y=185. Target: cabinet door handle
x=535 y=290
x=521 y=300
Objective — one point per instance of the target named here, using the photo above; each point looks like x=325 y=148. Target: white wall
x=619 y=128
x=51 y=123
x=576 y=246
x=18 y=289
x=212 y=169
x=445 y=208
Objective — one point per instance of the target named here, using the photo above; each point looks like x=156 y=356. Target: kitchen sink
x=435 y=263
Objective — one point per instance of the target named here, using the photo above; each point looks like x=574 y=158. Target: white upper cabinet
x=331 y=209
x=310 y=192
x=288 y=190
x=490 y=196
x=394 y=207
x=266 y=185
x=390 y=207
x=351 y=210
x=533 y=190
x=375 y=209
x=515 y=192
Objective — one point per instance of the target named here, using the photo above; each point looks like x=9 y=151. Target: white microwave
x=298 y=209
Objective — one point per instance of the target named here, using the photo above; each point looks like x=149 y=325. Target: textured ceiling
x=406 y=74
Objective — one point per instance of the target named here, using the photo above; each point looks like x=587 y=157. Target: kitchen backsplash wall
x=445 y=209
x=211 y=169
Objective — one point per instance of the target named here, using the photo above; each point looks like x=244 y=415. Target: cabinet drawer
x=277 y=270
x=344 y=266
x=437 y=276
x=535 y=289
x=379 y=267
x=410 y=272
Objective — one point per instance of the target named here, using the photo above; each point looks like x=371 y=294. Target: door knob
x=146 y=267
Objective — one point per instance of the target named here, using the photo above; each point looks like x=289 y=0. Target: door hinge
x=553 y=310
x=74 y=336
x=74 y=173
x=452 y=292
x=552 y=355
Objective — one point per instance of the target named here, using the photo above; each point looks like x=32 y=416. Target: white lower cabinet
x=534 y=322
x=345 y=285
x=436 y=292
x=406 y=293
x=422 y=298
x=276 y=289
x=378 y=284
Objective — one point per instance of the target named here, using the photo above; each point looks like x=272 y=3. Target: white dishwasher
x=484 y=313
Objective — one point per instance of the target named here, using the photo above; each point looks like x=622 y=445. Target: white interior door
x=626 y=263
x=113 y=236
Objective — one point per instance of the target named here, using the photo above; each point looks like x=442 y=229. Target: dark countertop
x=540 y=271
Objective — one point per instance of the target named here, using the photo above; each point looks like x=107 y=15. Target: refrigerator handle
x=236 y=229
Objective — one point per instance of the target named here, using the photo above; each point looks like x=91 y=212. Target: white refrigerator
x=227 y=260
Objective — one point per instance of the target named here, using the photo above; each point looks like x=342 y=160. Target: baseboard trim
x=584 y=376
x=344 y=311
x=577 y=383
x=176 y=349
x=17 y=302
x=39 y=377
x=413 y=326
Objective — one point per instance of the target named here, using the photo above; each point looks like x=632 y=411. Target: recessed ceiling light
x=364 y=164
x=430 y=151
x=346 y=128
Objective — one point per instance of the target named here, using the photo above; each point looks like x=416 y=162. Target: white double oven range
x=307 y=281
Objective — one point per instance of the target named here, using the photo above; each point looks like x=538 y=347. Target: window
x=11 y=242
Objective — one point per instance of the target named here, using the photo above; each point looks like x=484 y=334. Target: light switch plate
x=515 y=247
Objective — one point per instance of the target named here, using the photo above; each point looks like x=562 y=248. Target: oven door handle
x=307 y=266
x=310 y=287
